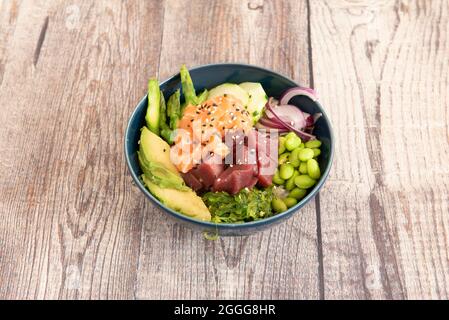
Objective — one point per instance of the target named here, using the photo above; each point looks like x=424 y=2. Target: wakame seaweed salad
x=247 y=205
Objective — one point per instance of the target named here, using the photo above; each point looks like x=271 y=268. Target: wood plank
x=381 y=69
x=70 y=219
x=8 y=18
x=282 y=262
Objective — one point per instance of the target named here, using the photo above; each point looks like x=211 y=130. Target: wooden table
x=73 y=225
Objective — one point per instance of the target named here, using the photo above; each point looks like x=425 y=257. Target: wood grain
x=70 y=219
x=281 y=262
x=73 y=226
x=381 y=69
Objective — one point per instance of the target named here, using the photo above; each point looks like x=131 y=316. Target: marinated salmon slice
x=202 y=128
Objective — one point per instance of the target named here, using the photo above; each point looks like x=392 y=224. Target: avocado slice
x=186 y=202
x=163 y=179
x=230 y=89
x=160 y=175
x=154 y=106
x=156 y=149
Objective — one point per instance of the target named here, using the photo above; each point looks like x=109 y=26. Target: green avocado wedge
x=156 y=150
x=186 y=202
x=160 y=175
x=163 y=179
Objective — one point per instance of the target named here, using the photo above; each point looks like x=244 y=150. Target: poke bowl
x=223 y=199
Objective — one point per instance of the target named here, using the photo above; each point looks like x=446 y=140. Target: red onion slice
x=309 y=122
x=288 y=113
x=304 y=135
x=297 y=91
x=259 y=125
x=271 y=123
x=291 y=114
x=269 y=115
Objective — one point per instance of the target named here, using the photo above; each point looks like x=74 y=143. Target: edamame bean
x=312 y=144
x=291 y=135
x=281 y=145
x=283 y=158
x=290 y=202
x=316 y=152
x=297 y=193
x=292 y=142
x=313 y=169
x=294 y=157
x=305 y=154
x=277 y=179
x=290 y=184
x=286 y=171
x=304 y=181
x=303 y=167
x=301 y=146
x=278 y=205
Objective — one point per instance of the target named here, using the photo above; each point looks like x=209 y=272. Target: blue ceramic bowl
x=209 y=76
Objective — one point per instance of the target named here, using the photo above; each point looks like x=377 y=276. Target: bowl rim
x=232 y=226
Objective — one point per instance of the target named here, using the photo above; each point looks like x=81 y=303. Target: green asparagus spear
x=153 y=110
x=163 y=116
x=174 y=109
x=203 y=96
x=183 y=106
x=187 y=86
x=167 y=135
x=165 y=129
